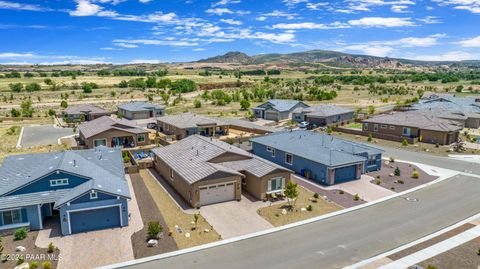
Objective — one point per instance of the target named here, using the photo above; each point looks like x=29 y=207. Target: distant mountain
x=330 y=58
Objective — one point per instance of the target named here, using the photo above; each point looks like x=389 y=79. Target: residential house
x=323 y=115
x=421 y=125
x=319 y=157
x=277 y=110
x=83 y=112
x=112 y=132
x=467 y=106
x=81 y=190
x=206 y=170
x=186 y=124
x=140 y=110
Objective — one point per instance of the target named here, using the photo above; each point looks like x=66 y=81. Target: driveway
x=236 y=218
x=42 y=135
x=97 y=248
x=366 y=190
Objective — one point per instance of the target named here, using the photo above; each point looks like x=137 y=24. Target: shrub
x=341 y=192
x=370 y=137
x=400 y=181
x=197 y=103
x=309 y=208
x=154 y=228
x=404 y=142
x=20 y=260
x=431 y=267
x=392 y=160
x=397 y=172
x=356 y=197
x=51 y=247
x=378 y=182
x=20 y=234
x=316 y=195
x=33 y=265
x=46 y=265
x=415 y=174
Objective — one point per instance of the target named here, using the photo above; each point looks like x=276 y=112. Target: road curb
x=19 y=142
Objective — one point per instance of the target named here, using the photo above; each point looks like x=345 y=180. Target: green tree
x=151 y=82
x=165 y=97
x=15 y=113
x=371 y=109
x=291 y=192
x=63 y=104
x=154 y=228
x=123 y=84
x=33 y=87
x=197 y=103
x=16 y=87
x=27 y=109
x=244 y=104
x=397 y=172
x=51 y=112
x=183 y=86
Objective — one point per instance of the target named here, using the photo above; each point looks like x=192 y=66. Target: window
x=273 y=153
x=269 y=149
x=141 y=138
x=375 y=127
x=383 y=126
x=58 y=182
x=406 y=131
x=372 y=160
x=365 y=126
x=12 y=216
x=171 y=174
x=275 y=184
x=391 y=127
x=100 y=142
x=159 y=113
x=288 y=158
x=93 y=195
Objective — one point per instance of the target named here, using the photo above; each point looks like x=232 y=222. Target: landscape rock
x=152 y=243
x=20 y=249
x=22 y=266
x=187 y=235
x=284 y=211
x=391 y=175
x=303 y=209
x=207 y=230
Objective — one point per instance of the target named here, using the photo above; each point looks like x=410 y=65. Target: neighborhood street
x=345 y=239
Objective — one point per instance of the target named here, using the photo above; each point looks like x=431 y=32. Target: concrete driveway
x=366 y=190
x=42 y=135
x=236 y=218
x=97 y=248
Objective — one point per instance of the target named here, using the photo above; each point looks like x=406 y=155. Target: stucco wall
x=108 y=135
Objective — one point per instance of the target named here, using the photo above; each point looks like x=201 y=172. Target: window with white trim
x=275 y=184
x=58 y=182
x=93 y=195
x=392 y=127
x=100 y=142
x=383 y=126
x=11 y=216
x=288 y=158
x=141 y=138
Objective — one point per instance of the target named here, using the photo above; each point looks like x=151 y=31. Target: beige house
x=207 y=171
x=186 y=124
x=110 y=132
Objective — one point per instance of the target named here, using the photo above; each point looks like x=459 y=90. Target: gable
x=44 y=183
x=227 y=157
x=85 y=198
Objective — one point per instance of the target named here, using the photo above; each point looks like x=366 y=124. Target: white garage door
x=217 y=193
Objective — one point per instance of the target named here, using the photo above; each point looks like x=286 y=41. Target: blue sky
x=131 y=31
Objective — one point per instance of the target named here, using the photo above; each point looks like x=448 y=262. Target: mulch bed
x=149 y=212
x=462 y=257
x=344 y=200
x=431 y=242
x=392 y=182
x=32 y=252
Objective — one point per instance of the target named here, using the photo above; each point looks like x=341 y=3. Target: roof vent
x=74 y=163
x=99 y=185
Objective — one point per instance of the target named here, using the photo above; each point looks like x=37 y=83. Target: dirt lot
x=149 y=212
x=394 y=182
x=273 y=214
x=32 y=253
x=462 y=257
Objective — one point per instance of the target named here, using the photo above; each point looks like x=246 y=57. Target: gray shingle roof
x=321 y=148
x=28 y=199
x=189 y=120
x=191 y=158
x=85 y=109
x=280 y=104
x=102 y=167
x=467 y=105
x=102 y=124
x=138 y=106
x=417 y=119
x=250 y=125
x=325 y=110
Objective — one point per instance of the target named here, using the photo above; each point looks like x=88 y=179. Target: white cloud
x=278 y=14
x=430 y=20
x=261 y=18
x=16 y=58
x=21 y=6
x=381 y=22
x=292 y=3
x=316 y=6
x=145 y=61
x=472 y=42
x=176 y=43
x=309 y=25
x=470 y=5
x=126 y=45
x=198 y=49
x=231 y=22
x=378 y=50
x=145 y=1
x=16 y=55
x=219 y=11
x=399 y=9
x=448 y=56
x=225 y=2
x=85 y=8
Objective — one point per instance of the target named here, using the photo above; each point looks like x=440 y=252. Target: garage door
x=271 y=115
x=141 y=115
x=344 y=174
x=217 y=193
x=95 y=219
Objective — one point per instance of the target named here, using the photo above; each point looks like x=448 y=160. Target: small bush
x=415 y=173
x=51 y=248
x=400 y=181
x=356 y=197
x=397 y=172
x=404 y=142
x=20 y=234
x=431 y=267
x=309 y=208
x=316 y=195
x=392 y=160
x=154 y=228
x=370 y=137
x=33 y=265
x=378 y=182
x=46 y=265
x=341 y=192
x=20 y=260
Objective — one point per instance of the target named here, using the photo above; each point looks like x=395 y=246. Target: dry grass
x=173 y=215
x=273 y=214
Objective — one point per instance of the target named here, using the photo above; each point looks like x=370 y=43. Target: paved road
x=345 y=239
x=41 y=135
x=444 y=162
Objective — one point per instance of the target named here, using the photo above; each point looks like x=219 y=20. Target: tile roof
x=421 y=119
x=86 y=109
x=250 y=125
x=280 y=104
x=102 y=166
x=324 y=110
x=102 y=124
x=191 y=158
x=189 y=120
x=137 y=106
x=321 y=148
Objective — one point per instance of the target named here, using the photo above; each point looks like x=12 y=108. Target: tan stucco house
x=206 y=170
x=186 y=124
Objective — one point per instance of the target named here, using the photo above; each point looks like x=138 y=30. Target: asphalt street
x=345 y=239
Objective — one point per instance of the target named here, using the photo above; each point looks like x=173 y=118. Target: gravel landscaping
x=149 y=212
x=387 y=179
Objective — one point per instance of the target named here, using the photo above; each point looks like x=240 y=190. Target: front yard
x=178 y=222
x=32 y=254
x=305 y=201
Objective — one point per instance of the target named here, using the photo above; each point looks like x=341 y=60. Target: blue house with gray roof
x=319 y=157
x=84 y=190
x=277 y=109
